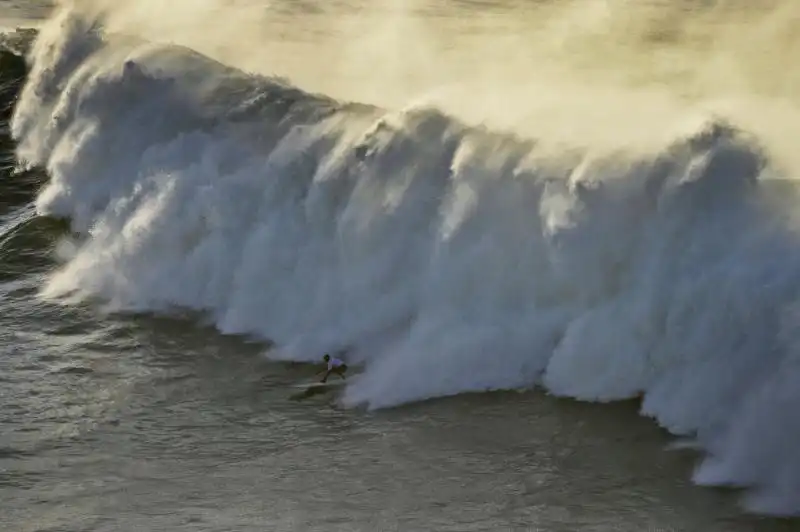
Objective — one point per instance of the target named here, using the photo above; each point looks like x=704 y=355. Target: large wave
x=444 y=258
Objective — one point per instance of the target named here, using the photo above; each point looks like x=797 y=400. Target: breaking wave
x=443 y=257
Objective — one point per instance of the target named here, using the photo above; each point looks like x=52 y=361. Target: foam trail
x=445 y=258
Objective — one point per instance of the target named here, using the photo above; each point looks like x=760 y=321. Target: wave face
x=444 y=258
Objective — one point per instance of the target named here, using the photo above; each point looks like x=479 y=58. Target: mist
x=532 y=67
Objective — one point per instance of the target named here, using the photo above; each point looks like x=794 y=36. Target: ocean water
x=555 y=241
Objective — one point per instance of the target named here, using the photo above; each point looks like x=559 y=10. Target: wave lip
x=444 y=258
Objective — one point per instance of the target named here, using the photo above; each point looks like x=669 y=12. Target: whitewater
x=441 y=253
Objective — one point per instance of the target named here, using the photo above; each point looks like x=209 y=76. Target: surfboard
x=317 y=384
x=314 y=388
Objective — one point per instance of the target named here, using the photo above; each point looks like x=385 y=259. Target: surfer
x=334 y=366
